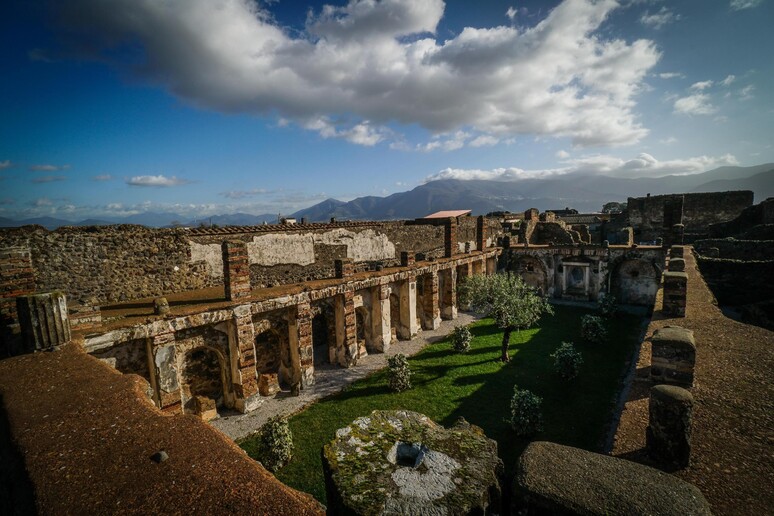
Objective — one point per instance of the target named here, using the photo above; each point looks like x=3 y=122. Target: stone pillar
x=675 y=293
x=165 y=372
x=673 y=356
x=677 y=234
x=43 y=322
x=236 y=270
x=17 y=278
x=450 y=237
x=431 y=306
x=346 y=333
x=677 y=251
x=448 y=294
x=301 y=349
x=668 y=437
x=241 y=338
x=407 y=329
x=480 y=233
x=344 y=268
x=407 y=258
x=676 y=265
x=380 y=318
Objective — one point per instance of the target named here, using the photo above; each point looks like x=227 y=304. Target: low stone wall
x=738 y=282
x=731 y=248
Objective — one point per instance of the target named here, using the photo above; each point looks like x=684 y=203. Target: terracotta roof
x=447 y=214
x=87 y=434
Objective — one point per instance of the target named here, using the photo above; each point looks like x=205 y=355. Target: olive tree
x=513 y=304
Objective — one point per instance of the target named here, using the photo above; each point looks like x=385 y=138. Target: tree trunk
x=506 y=341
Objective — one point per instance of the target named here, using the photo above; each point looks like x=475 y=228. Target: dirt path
x=733 y=425
x=329 y=380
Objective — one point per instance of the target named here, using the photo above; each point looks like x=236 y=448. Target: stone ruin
x=401 y=462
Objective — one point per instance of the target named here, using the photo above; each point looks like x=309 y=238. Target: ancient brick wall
x=760 y=217
x=738 y=282
x=731 y=248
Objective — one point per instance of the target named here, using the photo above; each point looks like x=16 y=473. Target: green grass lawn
x=478 y=387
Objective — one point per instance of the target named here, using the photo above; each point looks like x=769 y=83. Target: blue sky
x=204 y=107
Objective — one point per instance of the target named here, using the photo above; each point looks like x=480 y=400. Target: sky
x=204 y=107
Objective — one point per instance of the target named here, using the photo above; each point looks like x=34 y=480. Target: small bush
x=567 y=360
x=461 y=339
x=593 y=329
x=275 y=443
x=400 y=373
x=608 y=306
x=526 y=415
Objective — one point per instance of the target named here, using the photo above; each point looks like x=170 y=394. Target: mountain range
x=585 y=193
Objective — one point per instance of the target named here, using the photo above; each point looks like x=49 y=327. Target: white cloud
x=41 y=202
x=446 y=142
x=48 y=168
x=244 y=194
x=5 y=164
x=562 y=154
x=746 y=93
x=362 y=133
x=484 y=140
x=668 y=141
x=644 y=165
x=658 y=19
x=511 y=13
x=738 y=5
x=160 y=180
x=697 y=104
x=671 y=75
x=701 y=86
x=372 y=63
x=728 y=80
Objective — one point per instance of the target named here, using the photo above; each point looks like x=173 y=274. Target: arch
x=202 y=375
x=634 y=281
x=532 y=271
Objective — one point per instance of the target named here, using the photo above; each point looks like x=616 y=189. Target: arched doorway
x=635 y=282
x=531 y=271
x=202 y=383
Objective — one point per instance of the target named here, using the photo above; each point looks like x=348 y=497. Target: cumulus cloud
x=701 y=85
x=5 y=164
x=371 y=63
x=658 y=19
x=562 y=154
x=746 y=93
x=697 y=104
x=484 y=140
x=671 y=75
x=102 y=177
x=728 y=80
x=644 y=165
x=159 y=181
x=48 y=179
x=48 y=168
x=738 y=5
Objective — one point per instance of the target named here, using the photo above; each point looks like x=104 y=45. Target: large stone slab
x=556 y=479
x=400 y=462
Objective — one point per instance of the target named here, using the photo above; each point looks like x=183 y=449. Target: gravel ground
x=732 y=459
x=329 y=380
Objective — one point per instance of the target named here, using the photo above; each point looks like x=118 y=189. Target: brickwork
x=303 y=335
x=675 y=292
x=407 y=258
x=236 y=270
x=17 y=278
x=84 y=318
x=673 y=356
x=344 y=268
x=430 y=302
x=243 y=336
x=346 y=329
x=450 y=238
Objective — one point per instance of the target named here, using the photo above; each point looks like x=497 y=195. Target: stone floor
x=328 y=380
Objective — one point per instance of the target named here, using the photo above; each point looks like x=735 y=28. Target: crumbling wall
x=752 y=217
x=731 y=248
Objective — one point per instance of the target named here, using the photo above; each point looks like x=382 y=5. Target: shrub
x=461 y=339
x=608 y=306
x=400 y=373
x=275 y=443
x=526 y=416
x=592 y=329
x=567 y=360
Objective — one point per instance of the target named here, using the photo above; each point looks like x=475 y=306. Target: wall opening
x=202 y=376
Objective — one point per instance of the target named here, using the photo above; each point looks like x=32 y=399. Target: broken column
x=427 y=469
x=450 y=237
x=43 y=322
x=675 y=293
x=677 y=235
x=407 y=329
x=165 y=378
x=236 y=270
x=346 y=329
x=673 y=356
x=480 y=233
x=380 y=318
x=668 y=436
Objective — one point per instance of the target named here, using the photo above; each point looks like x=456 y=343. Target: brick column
x=17 y=278
x=407 y=258
x=380 y=318
x=344 y=267
x=346 y=337
x=43 y=322
x=300 y=327
x=450 y=237
x=448 y=294
x=673 y=356
x=480 y=233
x=407 y=329
x=431 y=319
x=165 y=372
x=675 y=293
x=236 y=270
x=241 y=338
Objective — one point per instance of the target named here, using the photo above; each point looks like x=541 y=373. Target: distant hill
x=762 y=184
x=234 y=219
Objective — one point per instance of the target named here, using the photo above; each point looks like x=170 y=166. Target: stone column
x=480 y=233
x=241 y=338
x=677 y=234
x=346 y=336
x=380 y=318
x=431 y=307
x=301 y=350
x=448 y=294
x=165 y=372
x=668 y=437
x=676 y=265
x=344 y=268
x=675 y=293
x=236 y=270
x=408 y=329
x=450 y=237
x=677 y=251
x=673 y=356
x=43 y=322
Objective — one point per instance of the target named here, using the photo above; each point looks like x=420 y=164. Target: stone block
x=555 y=479
x=673 y=356
x=160 y=306
x=675 y=293
x=205 y=408
x=268 y=384
x=677 y=265
x=43 y=320
x=668 y=436
x=677 y=251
